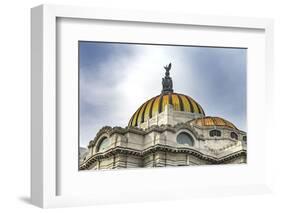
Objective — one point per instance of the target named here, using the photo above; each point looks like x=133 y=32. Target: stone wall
x=157 y=146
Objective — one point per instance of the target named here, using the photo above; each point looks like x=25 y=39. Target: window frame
x=188 y=135
x=234 y=135
x=101 y=141
x=217 y=133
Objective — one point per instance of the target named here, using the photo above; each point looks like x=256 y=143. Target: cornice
x=163 y=148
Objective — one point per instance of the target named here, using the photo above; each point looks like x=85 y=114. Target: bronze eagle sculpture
x=168 y=67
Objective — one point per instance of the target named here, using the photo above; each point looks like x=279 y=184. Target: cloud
x=115 y=79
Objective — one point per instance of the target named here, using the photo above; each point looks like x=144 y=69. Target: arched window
x=244 y=138
x=234 y=135
x=185 y=138
x=104 y=144
x=214 y=133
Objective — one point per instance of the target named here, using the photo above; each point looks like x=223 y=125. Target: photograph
x=160 y=105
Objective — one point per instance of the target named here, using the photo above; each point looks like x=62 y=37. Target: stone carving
x=168 y=68
x=167 y=82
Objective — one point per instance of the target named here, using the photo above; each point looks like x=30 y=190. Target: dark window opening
x=214 y=133
x=234 y=135
x=185 y=138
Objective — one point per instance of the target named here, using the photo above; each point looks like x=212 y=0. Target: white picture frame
x=44 y=148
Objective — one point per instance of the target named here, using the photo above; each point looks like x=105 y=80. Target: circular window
x=185 y=138
x=104 y=144
x=234 y=135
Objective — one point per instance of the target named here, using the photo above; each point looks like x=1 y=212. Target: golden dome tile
x=157 y=104
x=209 y=121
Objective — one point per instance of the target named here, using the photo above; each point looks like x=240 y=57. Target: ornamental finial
x=167 y=82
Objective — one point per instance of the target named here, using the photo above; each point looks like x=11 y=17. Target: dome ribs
x=135 y=117
x=146 y=112
x=181 y=103
x=195 y=106
x=186 y=105
x=165 y=102
x=216 y=122
x=157 y=104
x=130 y=121
x=209 y=121
x=202 y=110
x=199 y=109
x=134 y=123
x=155 y=108
x=160 y=104
x=150 y=110
x=170 y=99
x=190 y=103
x=176 y=102
x=219 y=122
x=142 y=115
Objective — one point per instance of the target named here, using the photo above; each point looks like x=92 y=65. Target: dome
x=157 y=104
x=209 y=121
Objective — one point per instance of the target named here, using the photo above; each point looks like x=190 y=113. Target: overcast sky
x=115 y=79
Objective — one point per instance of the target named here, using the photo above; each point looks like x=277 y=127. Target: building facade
x=170 y=129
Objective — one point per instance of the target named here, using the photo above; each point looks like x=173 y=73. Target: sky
x=115 y=79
